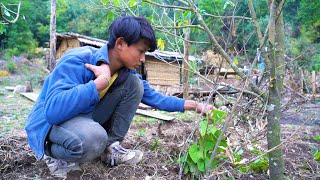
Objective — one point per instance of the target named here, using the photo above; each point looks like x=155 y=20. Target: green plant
x=142 y=132
x=198 y=156
x=316 y=152
x=11 y=66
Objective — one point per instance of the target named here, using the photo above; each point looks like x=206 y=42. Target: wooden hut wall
x=66 y=45
x=161 y=73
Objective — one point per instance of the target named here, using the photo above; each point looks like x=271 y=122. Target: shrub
x=11 y=67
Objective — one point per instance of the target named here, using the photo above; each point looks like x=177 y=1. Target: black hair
x=132 y=29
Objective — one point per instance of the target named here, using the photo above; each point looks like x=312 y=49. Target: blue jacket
x=69 y=90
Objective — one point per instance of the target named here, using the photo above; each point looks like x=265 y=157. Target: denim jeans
x=85 y=137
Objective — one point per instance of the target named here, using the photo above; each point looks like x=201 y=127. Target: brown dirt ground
x=18 y=162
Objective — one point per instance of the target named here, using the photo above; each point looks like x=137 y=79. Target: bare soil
x=162 y=143
x=18 y=162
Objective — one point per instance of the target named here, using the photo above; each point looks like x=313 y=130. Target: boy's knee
x=136 y=84
x=94 y=143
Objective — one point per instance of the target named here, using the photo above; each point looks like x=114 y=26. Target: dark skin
x=123 y=55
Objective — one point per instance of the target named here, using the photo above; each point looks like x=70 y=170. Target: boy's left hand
x=205 y=108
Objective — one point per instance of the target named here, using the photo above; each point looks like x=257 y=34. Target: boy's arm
x=71 y=91
x=170 y=103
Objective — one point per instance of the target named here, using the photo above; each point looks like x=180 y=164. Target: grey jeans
x=85 y=137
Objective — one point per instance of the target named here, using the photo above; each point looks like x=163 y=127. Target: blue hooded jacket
x=69 y=90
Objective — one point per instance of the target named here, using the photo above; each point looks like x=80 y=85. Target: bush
x=11 y=67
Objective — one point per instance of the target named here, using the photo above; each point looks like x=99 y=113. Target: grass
x=14 y=110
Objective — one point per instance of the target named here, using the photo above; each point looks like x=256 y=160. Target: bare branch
x=180 y=27
x=226 y=17
x=166 y=6
x=223 y=53
x=7 y=20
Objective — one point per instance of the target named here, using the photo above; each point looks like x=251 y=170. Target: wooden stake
x=314 y=82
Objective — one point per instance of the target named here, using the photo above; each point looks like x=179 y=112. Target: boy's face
x=134 y=55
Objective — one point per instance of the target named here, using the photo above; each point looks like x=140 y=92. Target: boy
x=88 y=101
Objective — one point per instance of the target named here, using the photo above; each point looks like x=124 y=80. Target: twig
x=166 y=6
x=276 y=147
x=225 y=126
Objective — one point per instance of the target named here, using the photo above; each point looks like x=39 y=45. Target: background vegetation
x=302 y=26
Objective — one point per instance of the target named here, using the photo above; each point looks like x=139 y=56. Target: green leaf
x=160 y=44
x=218 y=116
x=316 y=138
x=116 y=3
x=235 y=61
x=201 y=165
x=203 y=127
x=155 y=145
x=194 y=153
x=2 y=29
x=109 y=16
x=105 y=1
x=214 y=162
x=209 y=145
x=132 y=3
x=6 y=12
x=186 y=169
x=212 y=129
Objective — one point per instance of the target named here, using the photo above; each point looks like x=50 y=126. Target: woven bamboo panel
x=66 y=45
x=161 y=73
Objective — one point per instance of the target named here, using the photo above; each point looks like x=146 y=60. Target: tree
x=277 y=72
x=53 y=38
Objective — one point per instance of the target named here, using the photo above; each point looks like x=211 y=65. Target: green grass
x=14 y=110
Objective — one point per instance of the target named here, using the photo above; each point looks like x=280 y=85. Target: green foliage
x=142 y=132
x=316 y=152
x=258 y=166
x=198 y=156
x=193 y=72
x=155 y=145
x=310 y=52
x=11 y=67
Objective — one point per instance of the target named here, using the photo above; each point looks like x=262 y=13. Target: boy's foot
x=119 y=155
x=60 y=168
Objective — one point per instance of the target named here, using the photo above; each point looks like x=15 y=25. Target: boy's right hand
x=102 y=73
x=103 y=69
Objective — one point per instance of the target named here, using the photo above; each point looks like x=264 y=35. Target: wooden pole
x=52 y=59
x=301 y=81
x=185 y=65
x=314 y=82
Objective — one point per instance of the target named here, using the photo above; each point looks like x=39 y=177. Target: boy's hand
x=205 y=108
x=198 y=107
x=102 y=73
x=103 y=69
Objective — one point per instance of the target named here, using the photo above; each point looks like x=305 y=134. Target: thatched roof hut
x=162 y=68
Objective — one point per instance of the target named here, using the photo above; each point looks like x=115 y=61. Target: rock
x=2 y=64
x=21 y=60
x=20 y=89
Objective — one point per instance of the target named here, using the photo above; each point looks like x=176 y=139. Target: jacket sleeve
x=71 y=91
x=160 y=101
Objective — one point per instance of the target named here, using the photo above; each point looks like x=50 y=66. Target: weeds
x=198 y=156
x=316 y=151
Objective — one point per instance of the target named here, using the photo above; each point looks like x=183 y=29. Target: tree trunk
x=52 y=59
x=185 y=65
x=276 y=56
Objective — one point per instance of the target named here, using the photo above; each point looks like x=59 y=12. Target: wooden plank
x=155 y=114
x=31 y=96
x=143 y=106
x=9 y=88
